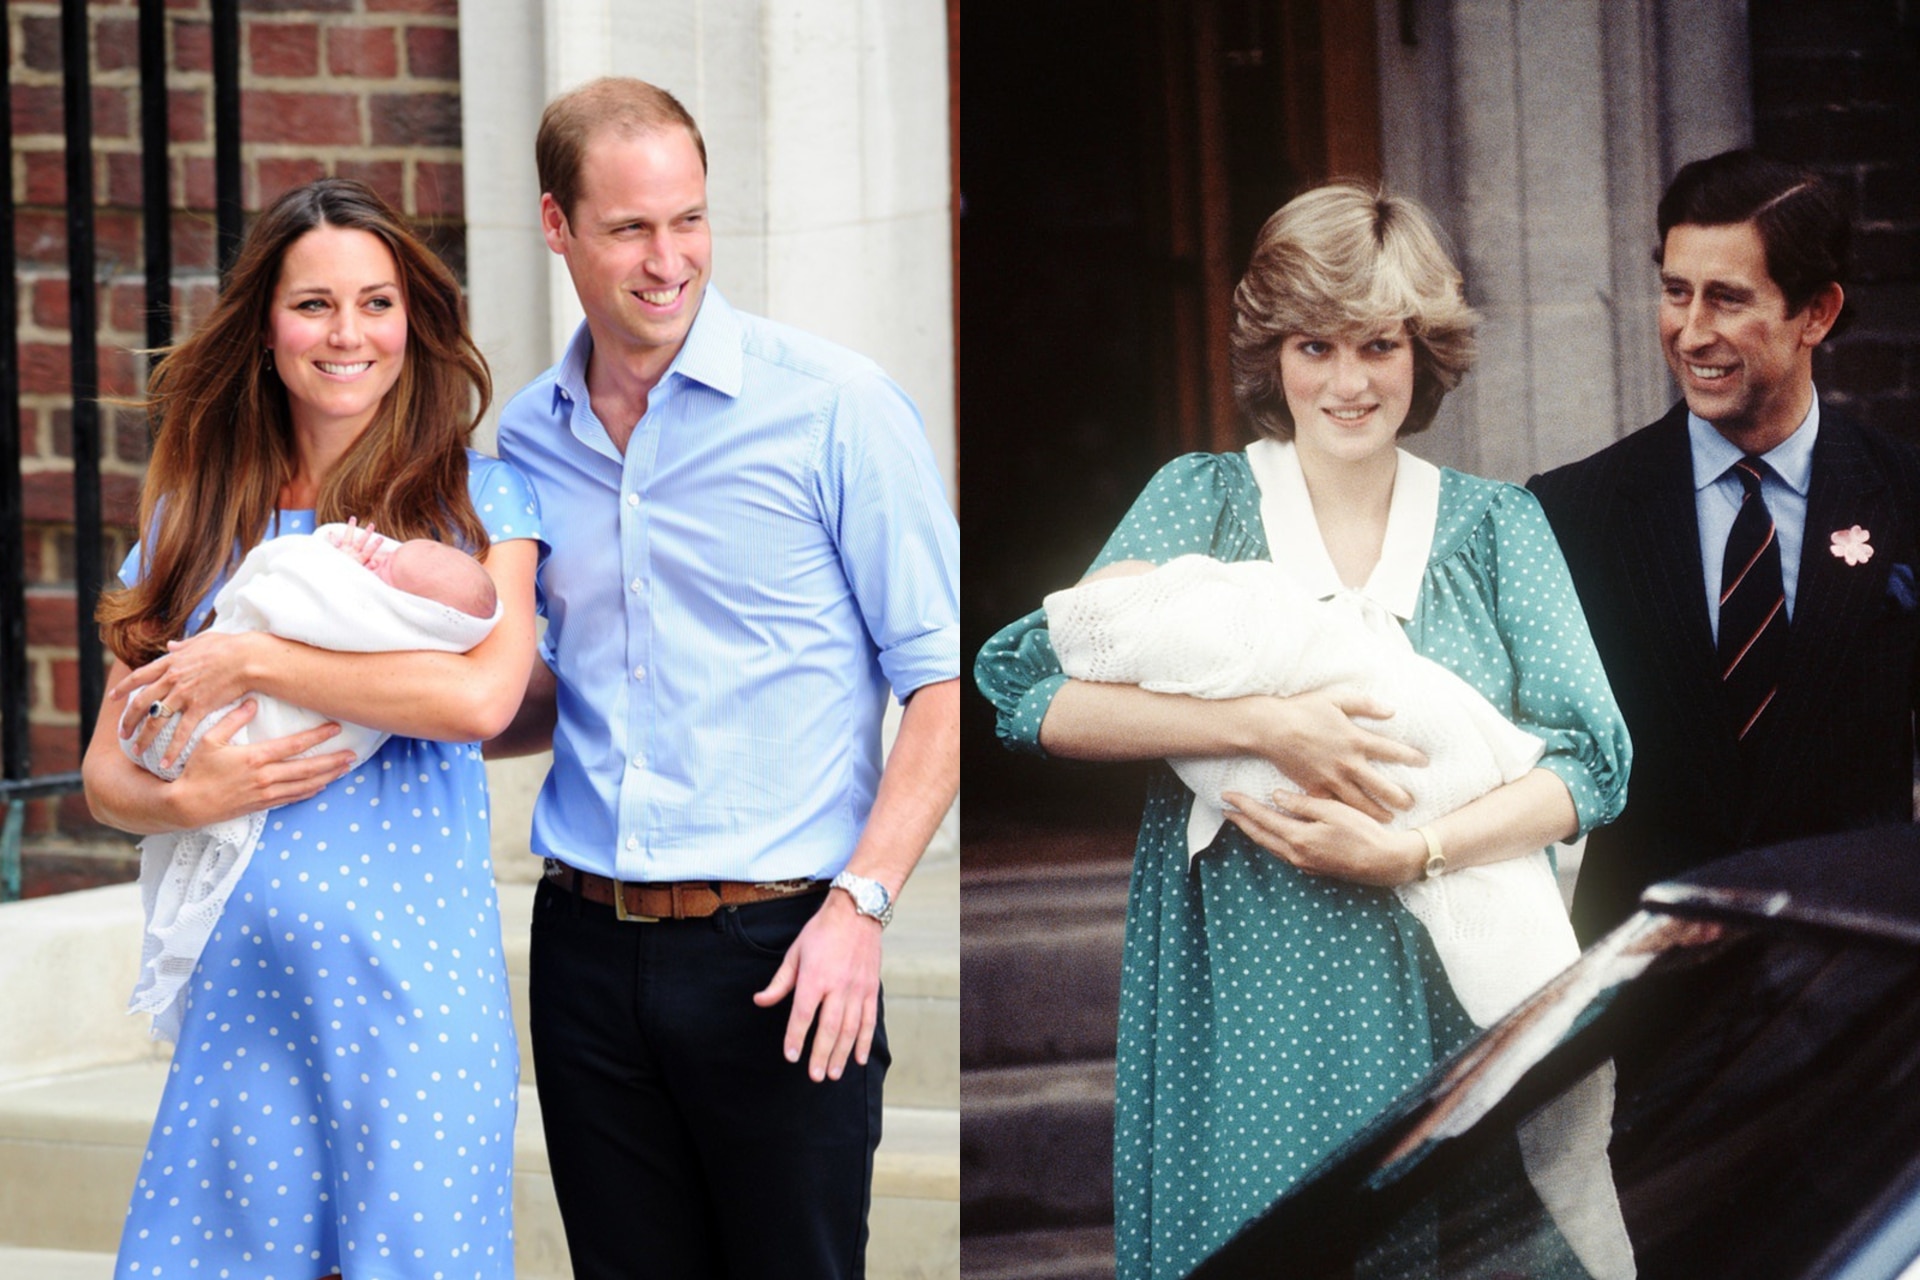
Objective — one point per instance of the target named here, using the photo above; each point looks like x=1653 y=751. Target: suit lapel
x=1658 y=526
x=1833 y=602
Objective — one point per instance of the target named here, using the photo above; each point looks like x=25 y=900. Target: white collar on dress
x=1293 y=537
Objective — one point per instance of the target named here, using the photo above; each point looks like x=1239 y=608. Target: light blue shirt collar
x=1791 y=459
x=711 y=355
x=1717 y=496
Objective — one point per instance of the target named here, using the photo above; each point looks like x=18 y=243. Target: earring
x=266 y=361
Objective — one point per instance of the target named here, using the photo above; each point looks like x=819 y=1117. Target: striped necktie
x=1753 y=606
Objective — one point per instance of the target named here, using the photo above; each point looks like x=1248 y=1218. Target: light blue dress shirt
x=1717 y=494
x=729 y=602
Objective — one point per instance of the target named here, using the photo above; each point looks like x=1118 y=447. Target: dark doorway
x=1116 y=160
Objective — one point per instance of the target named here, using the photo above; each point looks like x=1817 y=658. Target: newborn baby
x=422 y=567
x=341 y=587
x=1207 y=629
x=301 y=586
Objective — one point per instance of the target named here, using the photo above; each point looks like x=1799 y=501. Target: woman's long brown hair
x=223 y=444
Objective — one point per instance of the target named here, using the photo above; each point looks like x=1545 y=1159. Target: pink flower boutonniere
x=1851 y=545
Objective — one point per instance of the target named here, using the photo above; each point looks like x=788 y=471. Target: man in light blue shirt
x=749 y=550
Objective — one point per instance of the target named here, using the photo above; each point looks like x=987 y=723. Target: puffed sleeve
x=1560 y=689
x=1187 y=508
x=503 y=499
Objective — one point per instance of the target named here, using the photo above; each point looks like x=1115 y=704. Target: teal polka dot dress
x=1266 y=1015
x=343 y=1093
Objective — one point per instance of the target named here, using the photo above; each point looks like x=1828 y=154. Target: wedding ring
x=157 y=710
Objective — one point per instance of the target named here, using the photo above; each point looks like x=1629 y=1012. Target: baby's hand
x=360 y=542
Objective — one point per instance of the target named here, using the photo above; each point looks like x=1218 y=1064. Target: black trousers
x=683 y=1143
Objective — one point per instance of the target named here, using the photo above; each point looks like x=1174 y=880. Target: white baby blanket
x=1199 y=627
x=299 y=587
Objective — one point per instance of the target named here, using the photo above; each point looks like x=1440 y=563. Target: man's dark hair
x=1805 y=220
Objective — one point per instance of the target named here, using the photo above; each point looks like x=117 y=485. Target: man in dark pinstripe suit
x=1752 y=255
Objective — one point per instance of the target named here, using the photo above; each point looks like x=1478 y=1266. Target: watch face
x=869 y=895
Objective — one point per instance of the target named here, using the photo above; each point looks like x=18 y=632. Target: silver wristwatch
x=870 y=897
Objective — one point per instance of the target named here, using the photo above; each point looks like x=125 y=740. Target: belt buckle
x=620 y=911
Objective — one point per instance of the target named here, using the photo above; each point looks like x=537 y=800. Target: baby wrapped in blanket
x=1209 y=629
x=338 y=588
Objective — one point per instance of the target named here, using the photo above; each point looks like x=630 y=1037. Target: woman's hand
x=192 y=678
x=224 y=781
x=220 y=781
x=1327 y=838
x=1312 y=738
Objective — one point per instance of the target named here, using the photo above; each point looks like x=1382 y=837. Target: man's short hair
x=624 y=105
x=1346 y=260
x=1805 y=220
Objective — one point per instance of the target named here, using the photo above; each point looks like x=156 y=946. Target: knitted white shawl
x=1199 y=627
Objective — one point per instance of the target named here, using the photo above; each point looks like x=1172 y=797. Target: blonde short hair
x=1344 y=261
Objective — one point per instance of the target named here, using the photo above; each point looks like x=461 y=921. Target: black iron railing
x=17 y=783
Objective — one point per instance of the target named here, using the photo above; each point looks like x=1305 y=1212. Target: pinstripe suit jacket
x=1837 y=750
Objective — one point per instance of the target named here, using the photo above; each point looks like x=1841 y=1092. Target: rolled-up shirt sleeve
x=899 y=544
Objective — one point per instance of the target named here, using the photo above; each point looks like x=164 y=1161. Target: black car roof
x=1865 y=882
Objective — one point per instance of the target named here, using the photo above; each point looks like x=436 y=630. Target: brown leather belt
x=672 y=900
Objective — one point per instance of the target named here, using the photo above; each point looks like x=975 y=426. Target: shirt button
x=639 y=673
x=635 y=586
x=639 y=762
x=633 y=842
x=633 y=499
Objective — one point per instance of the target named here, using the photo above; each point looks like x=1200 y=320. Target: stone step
x=70 y=1146
x=67 y=964
x=919 y=974
x=1040 y=964
x=1068 y=1253
x=1037 y=1147
x=54 y=1264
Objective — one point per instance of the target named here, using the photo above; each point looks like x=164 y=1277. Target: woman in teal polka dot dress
x=1276 y=996
x=343 y=1089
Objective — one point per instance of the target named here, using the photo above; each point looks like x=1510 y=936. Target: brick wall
x=367 y=89
x=1837 y=86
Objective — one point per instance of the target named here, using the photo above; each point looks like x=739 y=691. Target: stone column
x=1541 y=132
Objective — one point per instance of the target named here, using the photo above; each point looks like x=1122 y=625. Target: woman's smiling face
x=338 y=328
x=1349 y=395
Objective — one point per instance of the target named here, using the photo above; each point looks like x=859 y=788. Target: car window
x=1732 y=1106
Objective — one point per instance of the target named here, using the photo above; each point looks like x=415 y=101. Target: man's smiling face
x=636 y=242
x=1743 y=362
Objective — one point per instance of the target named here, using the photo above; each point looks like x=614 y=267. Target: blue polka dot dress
x=1266 y=1015
x=342 y=1096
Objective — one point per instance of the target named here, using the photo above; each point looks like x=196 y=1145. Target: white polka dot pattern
x=1266 y=1015
x=343 y=1094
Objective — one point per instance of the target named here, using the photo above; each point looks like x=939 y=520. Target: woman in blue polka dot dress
x=1277 y=996
x=342 y=1096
